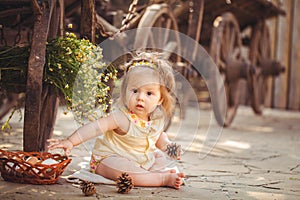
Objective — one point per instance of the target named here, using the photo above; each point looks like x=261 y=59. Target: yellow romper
x=138 y=144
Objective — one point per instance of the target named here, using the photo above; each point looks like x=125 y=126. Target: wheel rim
x=260 y=50
x=159 y=15
x=225 y=46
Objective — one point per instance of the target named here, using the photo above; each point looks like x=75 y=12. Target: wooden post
x=50 y=100
x=50 y=103
x=294 y=82
x=88 y=19
x=35 y=76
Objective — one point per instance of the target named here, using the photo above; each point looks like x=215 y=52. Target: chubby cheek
x=153 y=107
x=129 y=101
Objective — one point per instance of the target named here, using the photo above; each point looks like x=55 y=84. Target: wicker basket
x=29 y=167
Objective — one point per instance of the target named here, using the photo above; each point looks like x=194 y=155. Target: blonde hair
x=155 y=61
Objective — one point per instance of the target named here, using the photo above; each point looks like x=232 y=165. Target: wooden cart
x=215 y=24
x=218 y=26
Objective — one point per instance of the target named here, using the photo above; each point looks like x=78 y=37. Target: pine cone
x=88 y=188
x=173 y=150
x=124 y=183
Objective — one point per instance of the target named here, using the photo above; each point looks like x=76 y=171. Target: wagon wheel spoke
x=151 y=39
x=164 y=35
x=233 y=89
x=259 y=58
x=168 y=26
x=265 y=44
x=261 y=51
x=231 y=41
x=227 y=40
x=226 y=36
x=223 y=50
x=222 y=66
x=236 y=53
x=233 y=97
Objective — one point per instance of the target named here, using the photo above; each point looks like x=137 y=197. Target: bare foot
x=173 y=180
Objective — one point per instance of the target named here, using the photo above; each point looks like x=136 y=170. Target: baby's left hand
x=66 y=145
x=174 y=151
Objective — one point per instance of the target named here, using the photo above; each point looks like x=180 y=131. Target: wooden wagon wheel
x=159 y=15
x=260 y=52
x=225 y=50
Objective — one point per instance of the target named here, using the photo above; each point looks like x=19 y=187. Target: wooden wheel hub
x=236 y=69
x=271 y=68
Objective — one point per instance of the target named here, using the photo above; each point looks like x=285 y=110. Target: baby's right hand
x=66 y=145
x=173 y=150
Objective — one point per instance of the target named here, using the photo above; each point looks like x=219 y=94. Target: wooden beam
x=14 y=2
x=35 y=76
x=15 y=11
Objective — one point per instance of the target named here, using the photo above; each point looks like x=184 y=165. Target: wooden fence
x=285 y=42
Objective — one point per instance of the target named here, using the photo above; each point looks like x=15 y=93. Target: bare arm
x=162 y=141
x=172 y=149
x=93 y=129
x=113 y=121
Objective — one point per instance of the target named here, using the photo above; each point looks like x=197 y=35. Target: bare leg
x=112 y=167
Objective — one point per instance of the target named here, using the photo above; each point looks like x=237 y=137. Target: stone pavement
x=257 y=157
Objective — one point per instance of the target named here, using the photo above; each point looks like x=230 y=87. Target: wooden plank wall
x=285 y=38
x=294 y=83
